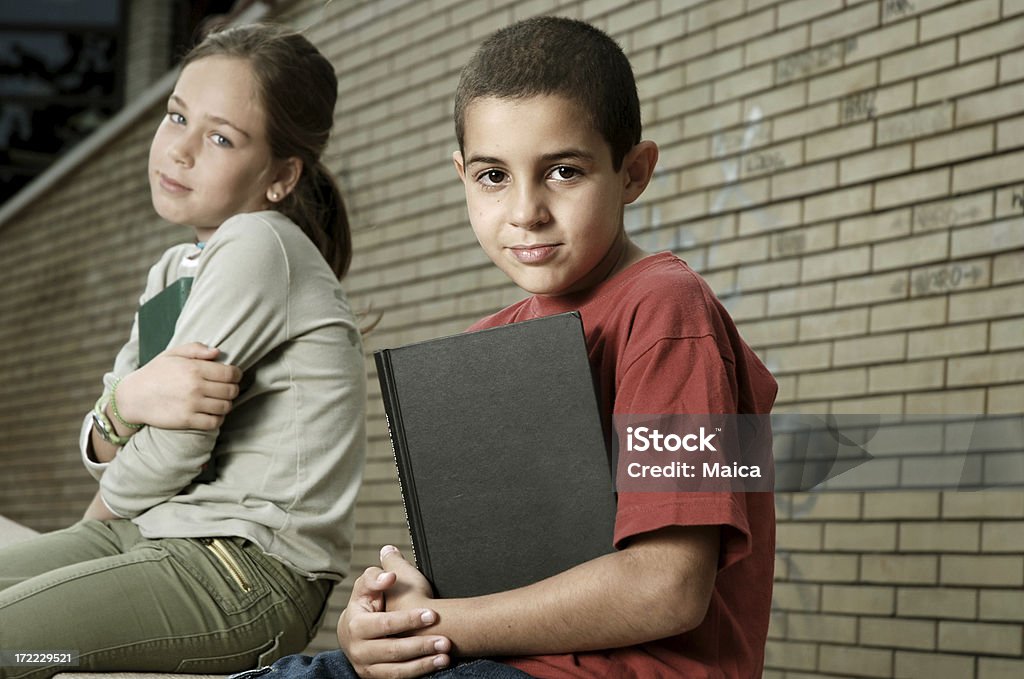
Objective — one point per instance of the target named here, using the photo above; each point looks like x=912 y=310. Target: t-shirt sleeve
x=681 y=375
x=238 y=304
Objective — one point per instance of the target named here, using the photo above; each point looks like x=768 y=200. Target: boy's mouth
x=534 y=254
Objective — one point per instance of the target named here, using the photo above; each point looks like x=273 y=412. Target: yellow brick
x=858 y=599
x=801 y=10
x=769 y=275
x=939 y=536
x=949 y=341
x=774 y=101
x=797 y=359
x=994 y=303
x=897 y=633
x=832 y=384
x=805 y=240
x=714 y=65
x=874 y=228
x=806 y=121
x=988 y=369
x=988 y=172
x=771 y=159
x=958 y=19
x=945 y=214
x=808 y=567
x=999 y=103
x=860 y=537
x=840 y=142
x=873 y=164
x=837 y=204
x=901 y=505
x=899 y=568
x=816 y=627
x=929 y=247
x=778 y=44
x=790 y=655
x=1002 y=37
x=869 y=350
x=710 y=14
x=912 y=188
x=933 y=666
x=891 y=38
x=945 y=278
x=1002 y=536
x=927 y=59
x=1000 y=504
x=868 y=662
x=1010 y=134
x=869 y=289
x=1001 y=605
x=983 y=571
x=743 y=30
x=936 y=602
x=773 y=217
x=807 y=179
x=1011 y=67
x=840 y=83
x=1000 y=668
x=916 y=123
x=946 y=402
x=913 y=314
x=771 y=332
x=833 y=324
x=906 y=377
x=952 y=147
x=858 y=19
x=989 y=238
x=1007 y=334
x=836 y=264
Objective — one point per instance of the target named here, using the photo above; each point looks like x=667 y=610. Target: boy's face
x=544 y=200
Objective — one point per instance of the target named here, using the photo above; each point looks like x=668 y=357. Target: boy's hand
x=375 y=641
x=181 y=388
x=411 y=588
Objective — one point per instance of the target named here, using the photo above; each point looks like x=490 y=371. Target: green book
x=158 y=316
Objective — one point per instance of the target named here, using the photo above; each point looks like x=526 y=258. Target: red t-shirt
x=660 y=342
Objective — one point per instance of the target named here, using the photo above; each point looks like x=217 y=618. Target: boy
x=548 y=124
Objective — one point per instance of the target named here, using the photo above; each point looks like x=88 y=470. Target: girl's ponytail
x=317 y=207
x=298 y=89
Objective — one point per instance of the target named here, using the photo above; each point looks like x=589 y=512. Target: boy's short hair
x=560 y=56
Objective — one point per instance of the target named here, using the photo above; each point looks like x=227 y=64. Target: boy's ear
x=638 y=168
x=285 y=179
x=460 y=166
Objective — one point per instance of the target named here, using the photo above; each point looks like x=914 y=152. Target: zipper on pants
x=227 y=560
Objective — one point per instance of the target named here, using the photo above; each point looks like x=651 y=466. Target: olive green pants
x=121 y=602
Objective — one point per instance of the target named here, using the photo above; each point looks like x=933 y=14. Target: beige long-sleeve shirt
x=289 y=457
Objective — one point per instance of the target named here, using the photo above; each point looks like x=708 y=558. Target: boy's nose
x=529 y=209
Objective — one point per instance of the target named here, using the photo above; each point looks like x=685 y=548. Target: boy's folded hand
x=378 y=642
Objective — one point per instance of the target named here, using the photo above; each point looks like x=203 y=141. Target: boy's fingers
x=391 y=559
x=409 y=668
x=390 y=623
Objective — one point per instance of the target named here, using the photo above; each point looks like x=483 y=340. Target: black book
x=501 y=455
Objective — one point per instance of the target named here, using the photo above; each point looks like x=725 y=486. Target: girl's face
x=210 y=158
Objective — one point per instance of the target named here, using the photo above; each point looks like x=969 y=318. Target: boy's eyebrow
x=220 y=121
x=565 y=154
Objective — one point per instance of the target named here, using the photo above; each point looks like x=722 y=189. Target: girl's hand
x=181 y=388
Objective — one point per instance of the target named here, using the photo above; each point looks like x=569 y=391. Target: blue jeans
x=334 y=665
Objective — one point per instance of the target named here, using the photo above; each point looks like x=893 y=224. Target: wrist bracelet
x=117 y=413
x=102 y=424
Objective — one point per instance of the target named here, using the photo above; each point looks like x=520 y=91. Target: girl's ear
x=638 y=168
x=285 y=179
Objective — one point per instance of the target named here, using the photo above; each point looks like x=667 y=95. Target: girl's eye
x=565 y=173
x=492 y=177
x=176 y=118
x=221 y=140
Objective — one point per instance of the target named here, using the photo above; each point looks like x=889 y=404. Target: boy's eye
x=565 y=173
x=492 y=177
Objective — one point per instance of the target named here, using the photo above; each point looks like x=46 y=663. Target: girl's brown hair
x=298 y=89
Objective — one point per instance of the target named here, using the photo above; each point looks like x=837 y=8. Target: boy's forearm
x=651 y=590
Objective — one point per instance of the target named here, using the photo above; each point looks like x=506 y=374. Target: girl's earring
x=274 y=196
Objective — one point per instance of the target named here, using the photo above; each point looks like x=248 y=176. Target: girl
x=233 y=568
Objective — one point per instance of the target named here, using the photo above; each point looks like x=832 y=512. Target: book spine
x=403 y=463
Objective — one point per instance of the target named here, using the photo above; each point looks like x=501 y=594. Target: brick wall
x=849 y=176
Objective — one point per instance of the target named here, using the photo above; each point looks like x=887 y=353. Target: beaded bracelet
x=117 y=413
